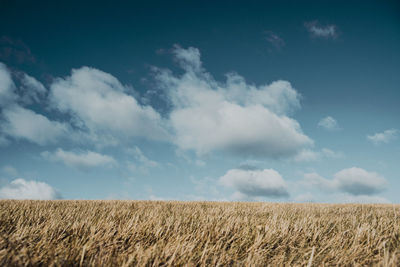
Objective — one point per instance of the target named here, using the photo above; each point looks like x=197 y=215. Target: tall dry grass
x=145 y=233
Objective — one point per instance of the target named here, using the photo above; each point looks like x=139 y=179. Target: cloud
x=231 y=116
x=144 y=163
x=357 y=181
x=255 y=183
x=138 y=155
x=332 y=154
x=308 y=155
x=274 y=39
x=31 y=89
x=328 y=123
x=28 y=189
x=21 y=123
x=14 y=50
x=304 y=198
x=99 y=103
x=316 y=180
x=317 y=30
x=384 y=137
x=7 y=86
x=83 y=160
x=354 y=181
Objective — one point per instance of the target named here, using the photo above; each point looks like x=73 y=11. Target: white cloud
x=317 y=30
x=354 y=181
x=31 y=89
x=99 y=103
x=21 y=123
x=357 y=181
x=83 y=160
x=25 y=189
x=304 y=198
x=308 y=155
x=188 y=59
x=328 y=123
x=315 y=180
x=384 y=137
x=7 y=86
x=255 y=183
x=234 y=116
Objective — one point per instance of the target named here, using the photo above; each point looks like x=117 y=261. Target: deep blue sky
x=341 y=58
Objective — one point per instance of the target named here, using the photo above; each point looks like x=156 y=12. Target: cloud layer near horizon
x=255 y=183
x=354 y=181
x=25 y=189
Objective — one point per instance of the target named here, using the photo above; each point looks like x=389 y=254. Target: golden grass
x=148 y=233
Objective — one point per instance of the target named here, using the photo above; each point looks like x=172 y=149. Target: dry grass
x=145 y=233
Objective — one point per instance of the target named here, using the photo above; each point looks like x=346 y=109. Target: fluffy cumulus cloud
x=99 y=103
x=18 y=122
x=22 y=123
x=206 y=115
x=328 y=123
x=322 y=31
x=353 y=181
x=83 y=160
x=28 y=189
x=231 y=116
x=255 y=183
x=384 y=137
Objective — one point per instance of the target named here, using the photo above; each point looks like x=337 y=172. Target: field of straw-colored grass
x=148 y=233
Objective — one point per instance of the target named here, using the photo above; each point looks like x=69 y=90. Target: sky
x=282 y=101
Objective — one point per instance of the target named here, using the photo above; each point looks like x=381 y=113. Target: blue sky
x=193 y=100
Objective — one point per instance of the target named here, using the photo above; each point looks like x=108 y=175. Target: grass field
x=154 y=233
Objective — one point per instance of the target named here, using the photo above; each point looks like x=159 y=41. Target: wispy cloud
x=308 y=155
x=82 y=160
x=328 y=123
x=274 y=39
x=141 y=162
x=15 y=51
x=383 y=137
x=322 y=31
